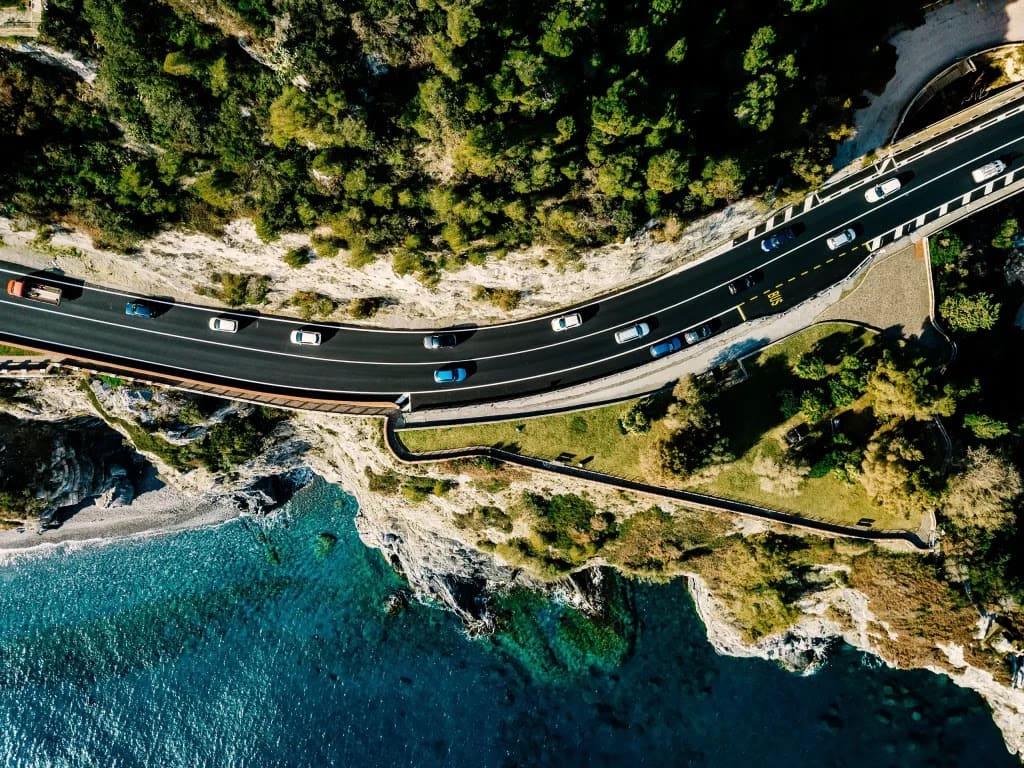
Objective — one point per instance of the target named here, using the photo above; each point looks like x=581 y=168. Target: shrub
x=635 y=420
x=968 y=313
x=814 y=405
x=297 y=258
x=325 y=247
x=985 y=427
x=945 y=248
x=366 y=306
x=789 y=403
x=503 y=298
x=312 y=304
x=1008 y=231
x=238 y=289
x=810 y=367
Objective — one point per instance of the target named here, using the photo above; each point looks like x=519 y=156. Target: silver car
x=632 y=333
x=840 y=239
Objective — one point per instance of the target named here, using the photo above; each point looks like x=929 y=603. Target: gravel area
x=892 y=296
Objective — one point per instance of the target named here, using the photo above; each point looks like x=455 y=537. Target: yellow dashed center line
x=780 y=285
x=829 y=261
x=791 y=280
x=805 y=273
x=817 y=266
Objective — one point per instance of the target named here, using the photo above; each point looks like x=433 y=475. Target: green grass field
x=750 y=417
x=9 y=351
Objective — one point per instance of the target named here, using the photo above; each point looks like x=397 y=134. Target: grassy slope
x=750 y=416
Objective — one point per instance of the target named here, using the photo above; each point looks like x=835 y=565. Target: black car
x=777 y=239
x=746 y=282
x=439 y=340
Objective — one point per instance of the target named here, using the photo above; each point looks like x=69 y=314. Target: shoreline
x=153 y=513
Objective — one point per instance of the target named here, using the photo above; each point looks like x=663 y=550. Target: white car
x=565 y=322
x=988 y=171
x=882 y=190
x=300 y=336
x=632 y=333
x=840 y=239
x=225 y=324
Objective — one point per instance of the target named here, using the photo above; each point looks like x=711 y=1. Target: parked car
x=632 y=333
x=450 y=374
x=138 y=309
x=225 y=324
x=439 y=340
x=777 y=239
x=840 y=239
x=666 y=347
x=882 y=190
x=797 y=434
x=988 y=171
x=565 y=322
x=699 y=333
x=301 y=336
x=746 y=282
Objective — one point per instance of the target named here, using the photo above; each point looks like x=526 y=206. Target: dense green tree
x=970 y=312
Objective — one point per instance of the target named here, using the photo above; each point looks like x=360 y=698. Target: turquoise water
x=263 y=645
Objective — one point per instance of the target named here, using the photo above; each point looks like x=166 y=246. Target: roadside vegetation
x=439 y=133
x=831 y=424
x=223 y=446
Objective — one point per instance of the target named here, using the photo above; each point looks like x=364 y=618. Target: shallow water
x=263 y=645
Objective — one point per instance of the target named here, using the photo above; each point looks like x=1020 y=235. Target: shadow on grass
x=751 y=408
x=834 y=347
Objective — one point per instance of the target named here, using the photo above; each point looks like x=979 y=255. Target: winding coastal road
x=527 y=357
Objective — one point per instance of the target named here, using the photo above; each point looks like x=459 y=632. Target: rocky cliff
x=447 y=555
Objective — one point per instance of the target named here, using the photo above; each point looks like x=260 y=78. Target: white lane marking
x=781 y=255
x=815 y=195
x=304 y=388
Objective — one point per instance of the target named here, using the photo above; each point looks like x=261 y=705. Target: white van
x=988 y=171
x=632 y=333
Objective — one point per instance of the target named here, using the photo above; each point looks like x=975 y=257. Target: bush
x=326 y=247
x=238 y=289
x=945 y=248
x=968 y=313
x=503 y=298
x=297 y=258
x=789 y=403
x=312 y=304
x=1007 y=233
x=635 y=420
x=366 y=306
x=810 y=367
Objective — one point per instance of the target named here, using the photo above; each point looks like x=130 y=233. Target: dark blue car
x=777 y=239
x=138 y=309
x=666 y=347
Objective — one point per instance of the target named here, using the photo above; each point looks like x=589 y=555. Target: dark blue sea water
x=260 y=645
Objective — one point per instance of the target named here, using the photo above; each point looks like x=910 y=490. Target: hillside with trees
x=439 y=132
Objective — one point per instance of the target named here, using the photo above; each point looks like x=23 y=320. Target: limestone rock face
x=51 y=468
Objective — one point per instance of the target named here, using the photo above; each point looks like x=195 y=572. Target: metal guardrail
x=747 y=509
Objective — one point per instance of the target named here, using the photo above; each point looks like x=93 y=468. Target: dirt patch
x=891 y=297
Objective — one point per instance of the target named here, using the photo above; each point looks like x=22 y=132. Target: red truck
x=26 y=289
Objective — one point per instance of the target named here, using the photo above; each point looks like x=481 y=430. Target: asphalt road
x=523 y=357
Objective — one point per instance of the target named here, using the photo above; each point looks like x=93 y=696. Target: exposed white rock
x=158 y=266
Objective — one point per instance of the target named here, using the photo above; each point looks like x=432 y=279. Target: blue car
x=666 y=347
x=450 y=374
x=138 y=309
x=778 y=239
